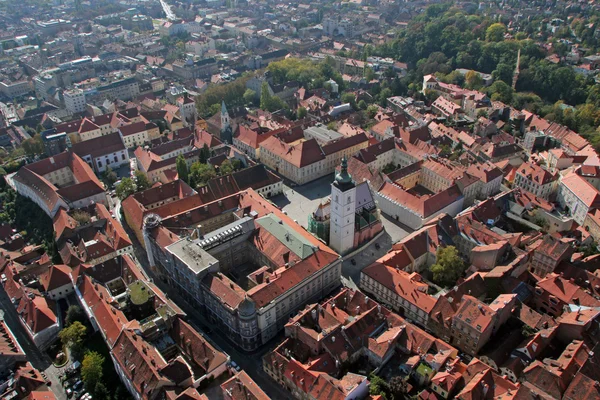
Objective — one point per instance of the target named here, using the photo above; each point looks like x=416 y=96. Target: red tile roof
x=584 y=190
x=424 y=206
x=537 y=174
x=37 y=312
x=242 y=387
x=300 y=155
x=57 y=276
x=408 y=286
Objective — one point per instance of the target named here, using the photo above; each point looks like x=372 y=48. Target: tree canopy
x=126 y=188
x=182 y=169
x=200 y=174
x=141 y=180
x=72 y=336
x=448 y=267
x=91 y=370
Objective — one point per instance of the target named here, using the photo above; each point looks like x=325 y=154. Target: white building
x=343 y=208
x=74 y=101
x=103 y=152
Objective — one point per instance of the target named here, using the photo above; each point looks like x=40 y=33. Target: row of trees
x=73 y=337
x=201 y=172
x=232 y=93
x=129 y=186
x=32 y=223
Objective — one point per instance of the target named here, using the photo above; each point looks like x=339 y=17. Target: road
x=298 y=202
x=167 y=9
x=249 y=362
x=35 y=356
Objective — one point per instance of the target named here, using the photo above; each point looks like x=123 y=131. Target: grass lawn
x=109 y=374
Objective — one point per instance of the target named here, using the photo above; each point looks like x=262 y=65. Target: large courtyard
x=300 y=201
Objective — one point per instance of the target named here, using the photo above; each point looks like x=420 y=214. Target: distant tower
x=343 y=210
x=516 y=75
x=226 y=131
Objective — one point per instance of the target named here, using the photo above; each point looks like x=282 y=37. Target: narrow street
x=249 y=362
x=35 y=356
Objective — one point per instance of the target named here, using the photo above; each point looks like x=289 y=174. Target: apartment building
x=475 y=322
x=536 y=180
x=72 y=236
x=303 y=161
x=577 y=196
x=350 y=330
x=103 y=152
x=154 y=351
x=74 y=101
x=405 y=293
x=248 y=271
x=62 y=181
x=138 y=133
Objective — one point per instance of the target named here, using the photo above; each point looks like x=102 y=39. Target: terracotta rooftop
x=242 y=387
x=408 y=286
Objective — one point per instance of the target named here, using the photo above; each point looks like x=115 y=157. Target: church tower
x=226 y=131
x=343 y=210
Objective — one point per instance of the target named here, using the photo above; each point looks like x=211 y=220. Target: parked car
x=78 y=385
x=235 y=366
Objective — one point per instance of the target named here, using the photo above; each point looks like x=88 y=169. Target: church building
x=351 y=214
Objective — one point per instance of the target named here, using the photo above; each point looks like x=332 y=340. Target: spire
x=344 y=178
x=223 y=108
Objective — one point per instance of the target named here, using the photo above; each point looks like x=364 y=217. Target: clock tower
x=343 y=210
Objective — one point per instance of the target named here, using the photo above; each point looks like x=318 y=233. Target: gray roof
x=191 y=254
x=295 y=242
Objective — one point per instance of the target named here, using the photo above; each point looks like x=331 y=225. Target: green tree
x=249 y=96
x=141 y=180
x=182 y=169
x=91 y=369
x=110 y=176
x=82 y=217
x=378 y=386
x=302 y=112
x=495 y=32
x=33 y=146
x=362 y=105
x=72 y=336
x=74 y=313
x=265 y=96
x=500 y=91
x=503 y=72
x=349 y=98
x=398 y=388
x=101 y=392
x=369 y=74
x=204 y=154
x=237 y=164
x=372 y=110
x=448 y=267
x=201 y=173
x=126 y=188
x=226 y=168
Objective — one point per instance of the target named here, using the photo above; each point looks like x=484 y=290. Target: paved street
x=37 y=358
x=251 y=363
x=298 y=202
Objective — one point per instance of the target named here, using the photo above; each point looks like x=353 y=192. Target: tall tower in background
x=226 y=134
x=343 y=209
x=516 y=74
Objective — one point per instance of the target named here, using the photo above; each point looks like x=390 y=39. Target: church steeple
x=226 y=133
x=343 y=179
x=223 y=108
